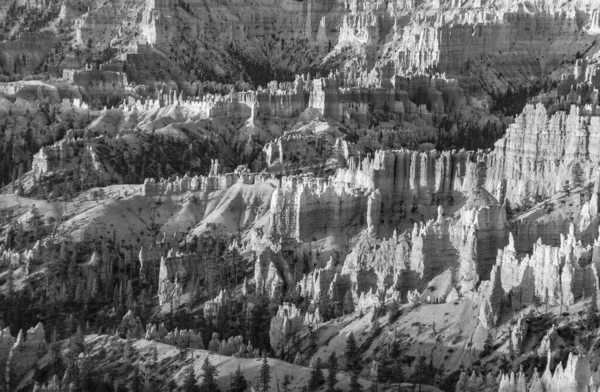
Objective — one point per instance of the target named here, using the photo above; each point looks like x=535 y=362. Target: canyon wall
x=574 y=375
x=544 y=153
x=553 y=275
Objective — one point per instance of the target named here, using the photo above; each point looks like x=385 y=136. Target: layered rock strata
x=24 y=353
x=176 y=270
x=552 y=275
x=287 y=322
x=544 y=153
x=407 y=182
x=177 y=337
x=439 y=259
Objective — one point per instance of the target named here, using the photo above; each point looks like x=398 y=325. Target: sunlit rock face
x=439 y=259
x=542 y=153
x=550 y=275
x=408 y=183
x=554 y=275
x=25 y=352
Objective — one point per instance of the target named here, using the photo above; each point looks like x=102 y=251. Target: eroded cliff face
x=575 y=374
x=544 y=153
x=550 y=275
x=439 y=259
x=515 y=42
x=498 y=43
x=27 y=348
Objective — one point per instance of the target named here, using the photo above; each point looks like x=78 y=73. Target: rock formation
x=544 y=153
x=575 y=375
x=288 y=321
x=24 y=353
x=557 y=275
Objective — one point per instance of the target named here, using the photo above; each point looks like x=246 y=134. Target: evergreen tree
x=512 y=352
x=286 y=383
x=135 y=385
x=239 y=382
x=209 y=377
x=130 y=301
x=348 y=303
x=593 y=319
x=397 y=372
x=154 y=355
x=78 y=342
x=265 y=373
x=487 y=346
x=578 y=175
x=9 y=282
x=421 y=371
x=70 y=325
x=86 y=380
x=189 y=381
x=351 y=353
x=354 y=384
x=316 y=376
x=172 y=385
x=260 y=321
x=128 y=350
x=332 y=365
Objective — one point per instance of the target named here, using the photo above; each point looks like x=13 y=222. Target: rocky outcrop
x=213 y=306
x=477 y=382
x=319 y=282
x=408 y=183
x=7 y=341
x=554 y=275
x=489 y=312
x=544 y=153
x=272 y=273
x=440 y=258
x=176 y=270
x=287 y=322
x=131 y=326
x=177 y=337
x=25 y=352
x=211 y=183
x=575 y=375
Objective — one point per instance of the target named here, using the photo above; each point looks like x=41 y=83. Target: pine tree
x=354 y=384
x=70 y=325
x=154 y=355
x=487 y=346
x=593 y=319
x=172 y=385
x=9 y=283
x=332 y=365
x=421 y=371
x=265 y=373
x=348 y=303
x=578 y=175
x=239 y=382
x=78 y=341
x=130 y=301
x=209 y=377
x=189 y=382
x=351 y=353
x=316 y=376
x=135 y=384
x=86 y=381
x=128 y=350
x=398 y=372
x=512 y=353
x=286 y=383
